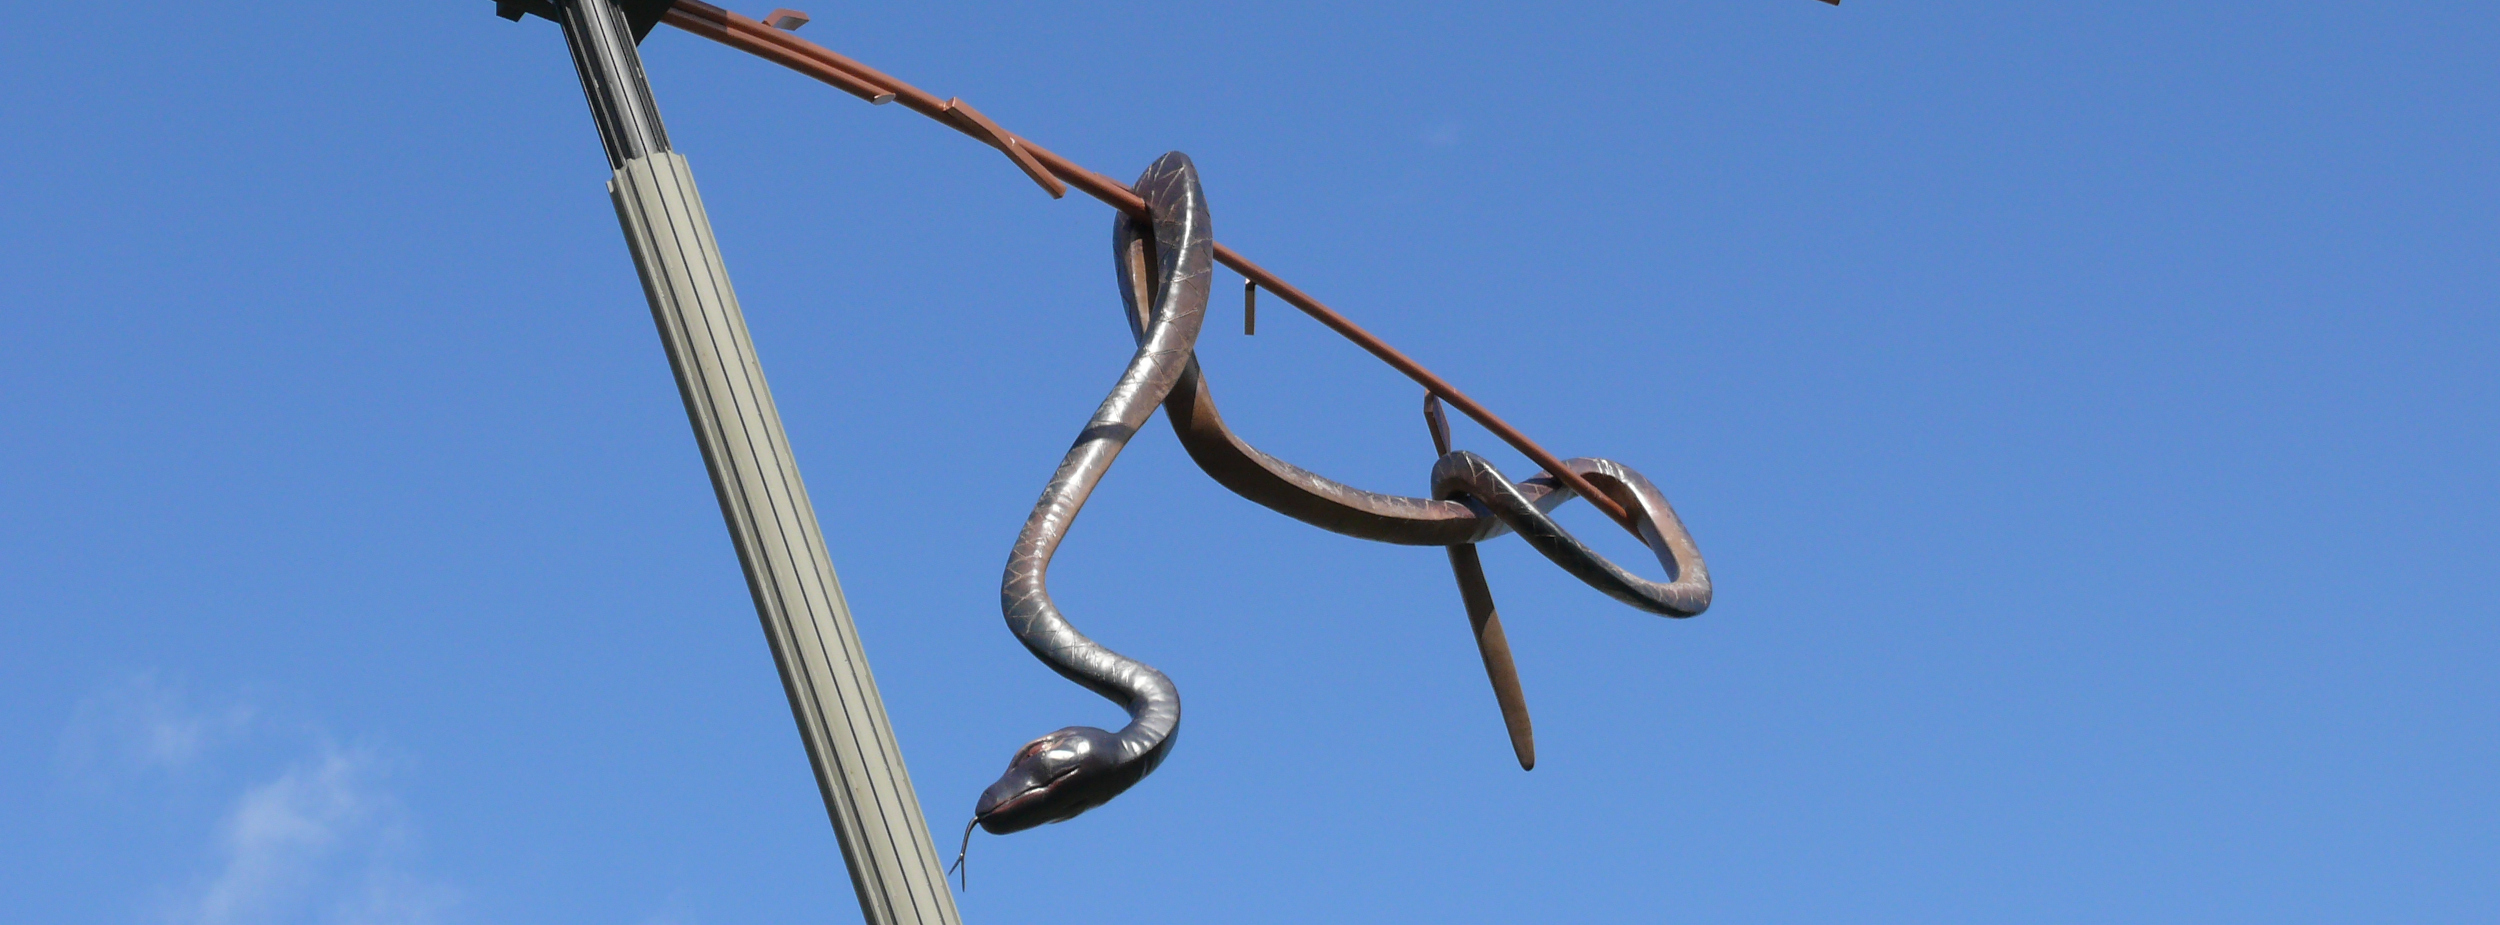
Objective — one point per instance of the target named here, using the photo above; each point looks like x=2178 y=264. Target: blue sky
x=2087 y=412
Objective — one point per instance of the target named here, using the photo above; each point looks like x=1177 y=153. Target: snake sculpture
x=1057 y=776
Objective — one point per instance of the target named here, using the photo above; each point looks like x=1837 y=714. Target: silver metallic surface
x=1477 y=510
x=604 y=56
x=834 y=699
x=1067 y=772
x=1522 y=508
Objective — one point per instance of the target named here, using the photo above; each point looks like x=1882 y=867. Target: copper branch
x=780 y=47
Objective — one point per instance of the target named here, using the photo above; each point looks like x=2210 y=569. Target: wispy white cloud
x=324 y=841
x=144 y=723
x=671 y=912
x=312 y=834
x=280 y=833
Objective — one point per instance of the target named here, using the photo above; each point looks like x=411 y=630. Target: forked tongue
x=964 y=881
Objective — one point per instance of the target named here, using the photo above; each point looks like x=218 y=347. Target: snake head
x=1052 y=779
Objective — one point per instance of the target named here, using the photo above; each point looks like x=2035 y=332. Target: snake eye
x=1027 y=753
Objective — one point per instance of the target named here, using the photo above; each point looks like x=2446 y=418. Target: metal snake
x=1057 y=776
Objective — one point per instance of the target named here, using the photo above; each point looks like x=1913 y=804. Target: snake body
x=1057 y=776
x=1075 y=769
x=1472 y=501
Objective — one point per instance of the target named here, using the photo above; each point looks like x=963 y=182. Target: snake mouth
x=1009 y=804
x=1000 y=818
x=989 y=817
x=1004 y=818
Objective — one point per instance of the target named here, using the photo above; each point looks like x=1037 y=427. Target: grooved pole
x=885 y=842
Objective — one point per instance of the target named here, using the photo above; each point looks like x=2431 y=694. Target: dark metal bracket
x=643 y=15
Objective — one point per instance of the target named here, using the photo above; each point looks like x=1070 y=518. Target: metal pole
x=886 y=843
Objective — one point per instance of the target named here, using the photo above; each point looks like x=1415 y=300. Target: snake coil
x=1057 y=776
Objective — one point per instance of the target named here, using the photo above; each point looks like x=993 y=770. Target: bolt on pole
x=885 y=841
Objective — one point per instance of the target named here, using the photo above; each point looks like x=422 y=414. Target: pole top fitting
x=643 y=15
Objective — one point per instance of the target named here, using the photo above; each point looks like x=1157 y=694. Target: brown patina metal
x=1471 y=501
x=971 y=122
x=1164 y=253
x=850 y=76
x=1483 y=620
